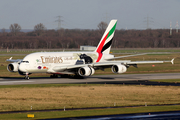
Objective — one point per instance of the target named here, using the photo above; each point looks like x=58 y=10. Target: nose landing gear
x=26 y=77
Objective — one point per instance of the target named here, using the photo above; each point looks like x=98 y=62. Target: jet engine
x=86 y=71
x=21 y=73
x=13 y=67
x=119 y=69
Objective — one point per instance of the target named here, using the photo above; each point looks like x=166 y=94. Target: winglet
x=9 y=59
x=172 y=61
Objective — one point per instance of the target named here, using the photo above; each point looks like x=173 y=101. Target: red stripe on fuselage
x=100 y=48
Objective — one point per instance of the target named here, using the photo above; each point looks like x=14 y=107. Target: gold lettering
x=68 y=58
x=60 y=60
x=55 y=60
x=46 y=60
x=42 y=59
x=50 y=59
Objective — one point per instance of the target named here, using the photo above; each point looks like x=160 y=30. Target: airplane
x=79 y=63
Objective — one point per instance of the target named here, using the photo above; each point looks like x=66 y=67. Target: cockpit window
x=24 y=61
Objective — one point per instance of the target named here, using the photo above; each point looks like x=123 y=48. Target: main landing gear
x=26 y=77
x=54 y=76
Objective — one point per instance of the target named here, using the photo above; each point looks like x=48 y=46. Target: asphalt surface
x=98 y=79
x=140 y=116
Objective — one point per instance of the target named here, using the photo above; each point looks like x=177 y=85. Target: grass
x=28 y=51
x=80 y=96
x=119 y=50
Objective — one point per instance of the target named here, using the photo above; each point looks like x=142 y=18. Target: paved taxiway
x=140 y=116
x=91 y=79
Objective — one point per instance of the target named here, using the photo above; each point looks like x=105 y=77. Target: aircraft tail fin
x=105 y=43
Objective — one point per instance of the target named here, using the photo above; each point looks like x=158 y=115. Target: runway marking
x=11 y=82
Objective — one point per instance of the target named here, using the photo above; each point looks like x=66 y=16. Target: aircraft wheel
x=26 y=78
x=64 y=76
x=78 y=77
x=54 y=76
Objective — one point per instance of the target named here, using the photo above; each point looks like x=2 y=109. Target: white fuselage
x=42 y=62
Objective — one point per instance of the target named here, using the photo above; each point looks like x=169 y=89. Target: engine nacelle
x=13 y=67
x=21 y=73
x=119 y=69
x=86 y=71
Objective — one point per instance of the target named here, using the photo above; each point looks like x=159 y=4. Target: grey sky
x=86 y=14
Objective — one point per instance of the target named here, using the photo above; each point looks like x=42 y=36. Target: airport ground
x=101 y=98
x=107 y=94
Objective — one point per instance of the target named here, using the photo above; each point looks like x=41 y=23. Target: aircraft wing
x=104 y=64
x=146 y=62
x=11 y=60
x=126 y=56
x=128 y=62
x=98 y=64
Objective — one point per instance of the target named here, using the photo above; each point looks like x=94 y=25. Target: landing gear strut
x=26 y=77
x=54 y=76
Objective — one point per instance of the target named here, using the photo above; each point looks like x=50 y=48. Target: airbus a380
x=79 y=63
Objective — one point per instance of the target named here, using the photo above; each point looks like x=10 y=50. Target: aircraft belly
x=37 y=70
